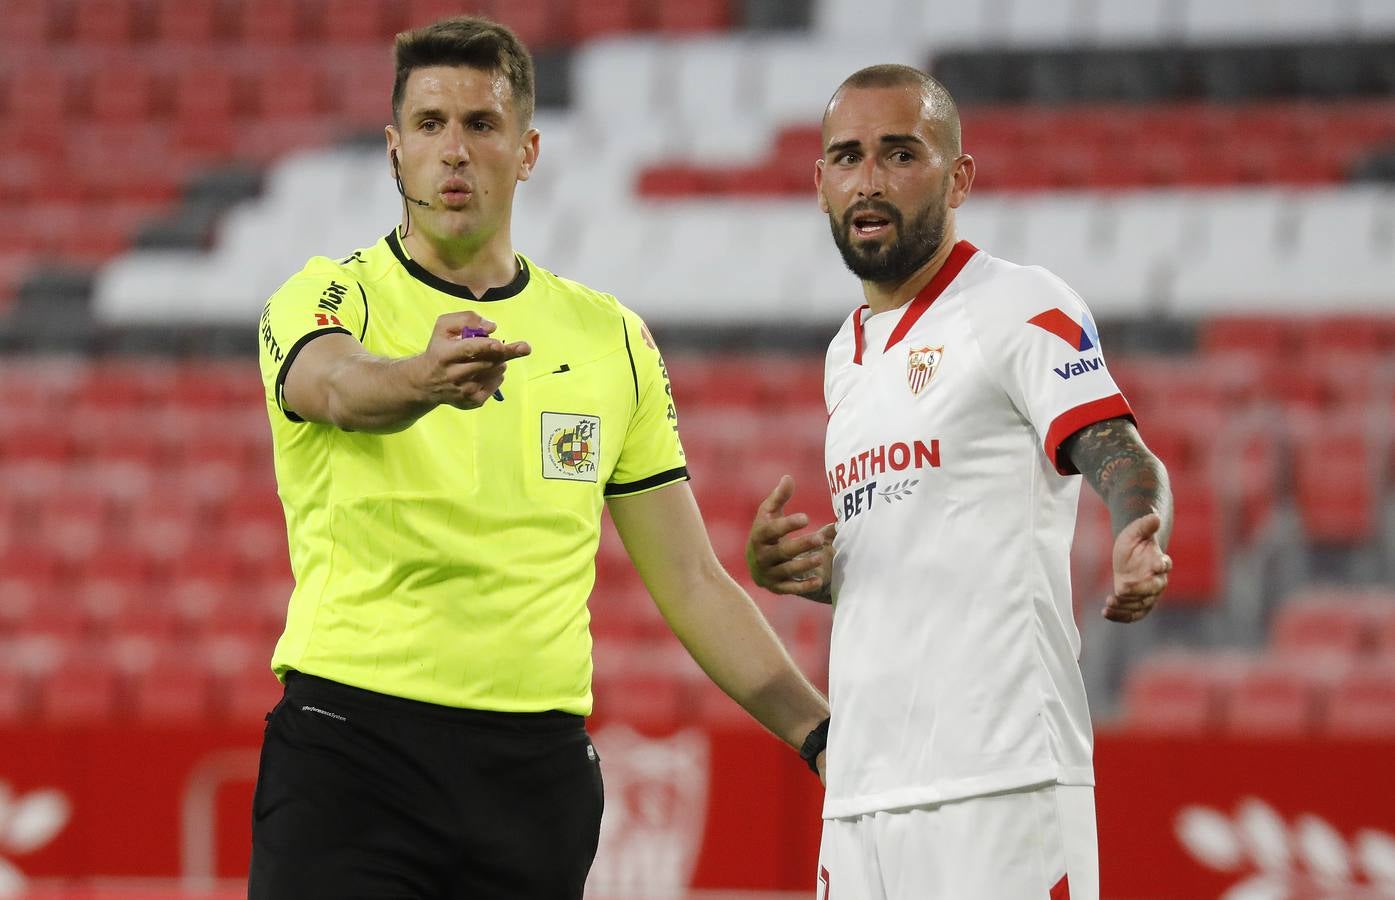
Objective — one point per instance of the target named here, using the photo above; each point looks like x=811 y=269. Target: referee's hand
x=464 y=364
x=783 y=563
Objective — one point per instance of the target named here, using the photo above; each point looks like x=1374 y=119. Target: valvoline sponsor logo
x=859 y=481
x=1079 y=367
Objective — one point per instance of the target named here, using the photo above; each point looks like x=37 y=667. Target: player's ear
x=394 y=141
x=961 y=181
x=531 y=147
x=818 y=184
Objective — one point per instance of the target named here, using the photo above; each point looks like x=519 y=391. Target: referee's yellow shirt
x=451 y=562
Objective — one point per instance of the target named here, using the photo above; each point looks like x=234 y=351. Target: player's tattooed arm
x=1132 y=481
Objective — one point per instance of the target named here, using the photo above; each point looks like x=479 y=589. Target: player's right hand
x=783 y=562
x=461 y=370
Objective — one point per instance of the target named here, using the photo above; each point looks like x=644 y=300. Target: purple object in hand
x=473 y=332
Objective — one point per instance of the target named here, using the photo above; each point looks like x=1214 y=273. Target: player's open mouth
x=870 y=225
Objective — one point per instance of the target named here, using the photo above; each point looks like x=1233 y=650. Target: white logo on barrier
x=1283 y=861
x=26 y=824
x=655 y=810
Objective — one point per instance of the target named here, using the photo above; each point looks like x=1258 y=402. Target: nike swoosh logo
x=561 y=369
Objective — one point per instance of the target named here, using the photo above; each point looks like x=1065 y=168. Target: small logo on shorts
x=571 y=448
x=591 y=752
x=323 y=712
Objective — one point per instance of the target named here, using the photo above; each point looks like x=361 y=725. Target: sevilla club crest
x=921 y=366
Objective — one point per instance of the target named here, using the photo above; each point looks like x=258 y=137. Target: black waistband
x=301 y=687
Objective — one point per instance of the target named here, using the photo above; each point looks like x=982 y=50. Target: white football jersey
x=954 y=663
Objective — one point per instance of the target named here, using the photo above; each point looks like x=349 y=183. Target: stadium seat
x=289 y=91
x=359 y=22
x=1334 y=472
x=268 y=23
x=1176 y=694
x=245 y=698
x=653 y=704
x=187 y=23
x=1363 y=703
x=1275 y=697
x=82 y=692
x=1324 y=624
x=603 y=18
x=16 y=697
x=170 y=694
x=682 y=17
x=1197 y=546
x=1383 y=625
x=107 y=23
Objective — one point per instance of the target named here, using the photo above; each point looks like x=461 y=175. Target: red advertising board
x=734 y=809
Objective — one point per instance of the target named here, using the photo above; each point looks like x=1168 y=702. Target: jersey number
x=323 y=319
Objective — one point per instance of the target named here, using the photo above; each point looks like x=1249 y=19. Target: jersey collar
x=963 y=251
x=415 y=269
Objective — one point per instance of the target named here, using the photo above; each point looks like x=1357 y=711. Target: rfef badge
x=571 y=446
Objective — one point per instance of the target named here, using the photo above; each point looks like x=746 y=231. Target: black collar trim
x=414 y=268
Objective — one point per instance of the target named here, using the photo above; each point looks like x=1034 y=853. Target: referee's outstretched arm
x=335 y=381
x=717 y=622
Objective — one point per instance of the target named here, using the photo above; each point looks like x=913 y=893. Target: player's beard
x=890 y=262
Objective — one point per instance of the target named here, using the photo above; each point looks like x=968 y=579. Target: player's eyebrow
x=838 y=148
x=429 y=112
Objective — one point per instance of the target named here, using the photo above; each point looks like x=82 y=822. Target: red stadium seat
x=187 y=23
x=1197 y=546
x=246 y=698
x=539 y=24
x=1334 y=471
x=16 y=697
x=1275 y=697
x=715 y=710
x=603 y=18
x=171 y=693
x=27 y=23
x=80 y=693
x=1383 y=627
x=126 y=94
x=268 y=23
x=362 y=94
x=692 y=16
x=424 y=12
x=1319 y=625
x=106 y=22
x=1363 y=703
x=290 y=91
x=360 y=22
x=1175 y=693
x=654 y=704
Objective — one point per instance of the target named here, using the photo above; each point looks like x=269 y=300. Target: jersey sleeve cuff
x=663 y=479
x=290 y=358
x=1072 y=420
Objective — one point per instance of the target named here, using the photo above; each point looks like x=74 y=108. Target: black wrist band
x=814 y=744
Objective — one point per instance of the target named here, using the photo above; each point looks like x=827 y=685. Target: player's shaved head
x=939 y=107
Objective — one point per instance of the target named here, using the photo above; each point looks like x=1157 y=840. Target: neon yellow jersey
x=451 y=562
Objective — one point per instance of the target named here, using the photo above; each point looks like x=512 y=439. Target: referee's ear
x=530 y=148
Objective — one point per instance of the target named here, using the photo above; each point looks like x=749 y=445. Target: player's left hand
x=1140 y=570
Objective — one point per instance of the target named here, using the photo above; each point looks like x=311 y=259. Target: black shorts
x=363 y=795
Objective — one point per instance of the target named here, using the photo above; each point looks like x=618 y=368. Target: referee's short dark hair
x=466 y=41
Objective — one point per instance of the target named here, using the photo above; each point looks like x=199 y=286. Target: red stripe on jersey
x=859 y=342
x=1064 y=327
x=1062 y=889
x=961 y=254
x=1072 y=420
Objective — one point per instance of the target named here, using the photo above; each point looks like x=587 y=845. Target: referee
x=443 y=516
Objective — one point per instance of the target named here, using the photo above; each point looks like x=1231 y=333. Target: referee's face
x=461 y=152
